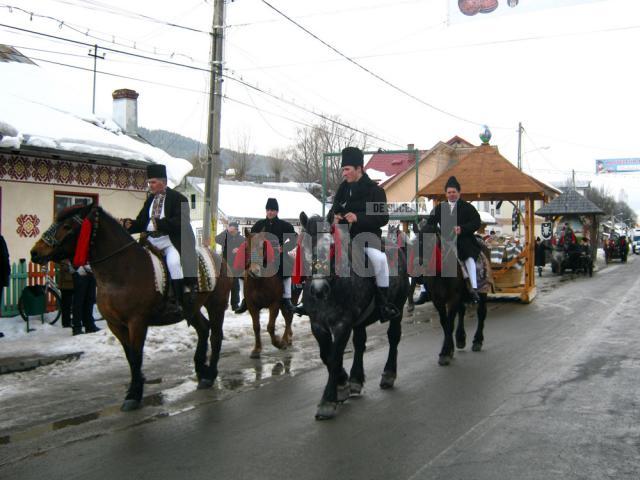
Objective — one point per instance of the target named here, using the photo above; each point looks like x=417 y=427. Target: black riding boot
x=475 y=298
x=183 y=301
x=388 y=311
x=242 y=308
x=288 y=306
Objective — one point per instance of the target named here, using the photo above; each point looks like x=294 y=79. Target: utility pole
x=210 y=220
x=95 y=56
x=519 y=168
x=520 y=146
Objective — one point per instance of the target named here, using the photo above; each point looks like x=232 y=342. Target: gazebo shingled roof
x=484 y=174
x=570 y=202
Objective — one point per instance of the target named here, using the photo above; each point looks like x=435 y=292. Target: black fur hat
x=156 y=171
x=272 y=204
x=352 y=157
x=452 y=183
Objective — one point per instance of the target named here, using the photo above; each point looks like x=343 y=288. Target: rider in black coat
x=459 y=220
x=283 y=243
x=355 y=204
x=172 y=221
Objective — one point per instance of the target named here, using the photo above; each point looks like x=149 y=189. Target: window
x=64 y=200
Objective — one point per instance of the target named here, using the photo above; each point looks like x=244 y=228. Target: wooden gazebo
x=572 y=204
x=484 y=175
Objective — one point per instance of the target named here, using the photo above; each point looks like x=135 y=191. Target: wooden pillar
x=529 y=233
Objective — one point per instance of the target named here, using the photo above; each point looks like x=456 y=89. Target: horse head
x=319 y=255
x=59 y=241
x=259 y=255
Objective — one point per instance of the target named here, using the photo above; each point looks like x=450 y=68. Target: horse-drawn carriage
x=616 y=248
x=571 y=257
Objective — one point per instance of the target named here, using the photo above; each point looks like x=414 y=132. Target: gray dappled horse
x=338 y=305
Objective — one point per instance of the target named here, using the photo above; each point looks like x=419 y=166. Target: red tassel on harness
x=337 y=243
x=436 y=260
x=82 y=246
x=238 y=261
x=297 y=266
x=270 y=252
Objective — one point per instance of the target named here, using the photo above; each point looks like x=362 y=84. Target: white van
x=635 y=241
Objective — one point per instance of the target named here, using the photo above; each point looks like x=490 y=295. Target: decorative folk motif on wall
x=28 y=225
x=22 y=168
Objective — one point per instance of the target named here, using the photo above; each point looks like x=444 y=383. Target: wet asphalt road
x=554 y=394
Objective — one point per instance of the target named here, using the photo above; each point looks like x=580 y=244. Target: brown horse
x=127 y=295
x=263 y=289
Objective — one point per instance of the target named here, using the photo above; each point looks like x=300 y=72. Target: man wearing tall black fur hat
x=286 y=241
x=464 y=220
x=165 y=218
x=350 y=207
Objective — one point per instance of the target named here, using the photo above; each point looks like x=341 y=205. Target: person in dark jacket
x=284 y=241
x=459 y=220
x=350 y=207
x=540 y=255
x=230 y=240
x=165 y=219
x=84 y=298
x=5 y=268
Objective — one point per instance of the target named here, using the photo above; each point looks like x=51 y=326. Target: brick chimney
x=125 y=110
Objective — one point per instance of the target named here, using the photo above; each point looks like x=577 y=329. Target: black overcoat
x=467 y=218
x=176 y=223
x=279 y=228
x=354 y=197
x=5 y=267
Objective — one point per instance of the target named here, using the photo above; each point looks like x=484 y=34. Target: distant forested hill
x=180 y=146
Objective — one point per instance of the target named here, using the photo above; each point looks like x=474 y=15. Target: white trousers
x=286 y=287
x=470 y=263
x=171 y=254
x=380 y=266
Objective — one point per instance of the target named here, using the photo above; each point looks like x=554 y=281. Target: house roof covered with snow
x=39 y=114
x=385 y=166
x=247 y=200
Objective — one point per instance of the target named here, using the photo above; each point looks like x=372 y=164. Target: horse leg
x=461 y=335
x=412 y=288
x=447 y=316
x=137 y=335
x=257 y=347
x=276 y=341
x=391 y=367
x=287 y=337
x=478 y=338
x=356 y=376
x=332 y=352
x=203 y=374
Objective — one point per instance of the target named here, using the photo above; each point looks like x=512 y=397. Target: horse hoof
x=255 y=354
x=205 y=383
x=387 y=380
x=477 y=347
x=344 y=391
x=130 y=404
x=355 y=388
x=326 y=411
x=461 y=344
x=444 y=360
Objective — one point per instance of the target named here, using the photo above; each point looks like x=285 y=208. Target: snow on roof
x=37 y=108
x=237 y=200
x=486 y=217
x=378 y=176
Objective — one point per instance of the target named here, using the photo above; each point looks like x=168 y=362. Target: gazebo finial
x=485 y=135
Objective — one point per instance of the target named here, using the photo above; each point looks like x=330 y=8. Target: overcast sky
x=569 y=74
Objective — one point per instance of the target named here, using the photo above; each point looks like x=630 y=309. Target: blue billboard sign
x=617 y=165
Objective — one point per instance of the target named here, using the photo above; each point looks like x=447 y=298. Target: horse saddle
x=484 y=274
x=207 y=270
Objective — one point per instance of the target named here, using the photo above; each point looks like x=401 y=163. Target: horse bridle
x=49 y=238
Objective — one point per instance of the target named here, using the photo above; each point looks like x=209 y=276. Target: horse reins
x=94 y=230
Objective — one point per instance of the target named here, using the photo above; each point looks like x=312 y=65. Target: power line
x=319 y=115
x=99 y=6
x=370 y=72
x=192 y=67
